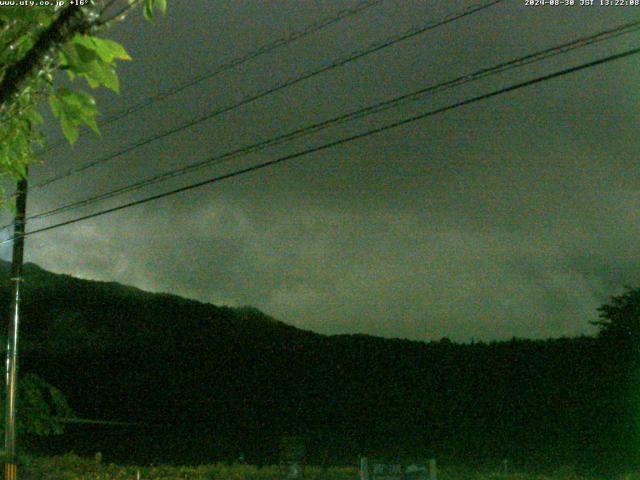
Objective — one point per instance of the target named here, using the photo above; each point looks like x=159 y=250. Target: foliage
x=73 y=467
x=205 y=382
x=37 y=41
x=41 y=406
x=151 y=5
x=620 y=319
x=619 y=336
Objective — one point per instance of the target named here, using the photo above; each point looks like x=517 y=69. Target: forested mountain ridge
x=242 y=378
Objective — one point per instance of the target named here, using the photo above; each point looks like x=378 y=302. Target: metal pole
x=11 y=467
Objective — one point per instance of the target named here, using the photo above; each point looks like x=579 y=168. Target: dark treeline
x=206 y=383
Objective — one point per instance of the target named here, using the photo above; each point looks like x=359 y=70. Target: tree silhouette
x=620 y=319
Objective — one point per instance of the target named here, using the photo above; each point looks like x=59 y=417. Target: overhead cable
x=341 y=141
x=360 y=113
x=287 y=83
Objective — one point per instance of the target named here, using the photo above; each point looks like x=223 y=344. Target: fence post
x=364 y=468
x=433 y=470
x=504 y=468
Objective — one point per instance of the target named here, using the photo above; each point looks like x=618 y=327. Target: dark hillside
x=206 y=382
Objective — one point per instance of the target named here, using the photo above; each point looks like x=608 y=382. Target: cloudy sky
x=515 y=216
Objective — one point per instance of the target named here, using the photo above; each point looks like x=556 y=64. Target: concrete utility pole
x=11 y=467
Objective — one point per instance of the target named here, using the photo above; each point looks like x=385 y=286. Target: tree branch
x=119 y=15
x=57 y=33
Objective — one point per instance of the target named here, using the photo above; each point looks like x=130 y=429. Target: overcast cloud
x=515 y=216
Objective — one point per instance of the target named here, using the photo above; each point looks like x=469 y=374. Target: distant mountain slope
x=201 y=371
x=107 y=316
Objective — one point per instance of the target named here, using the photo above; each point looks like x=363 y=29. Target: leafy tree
x=620 y=319
x=42 y=407
x=35 y=41
x=619 y=377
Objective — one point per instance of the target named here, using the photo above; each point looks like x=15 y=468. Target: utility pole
x=11 y=464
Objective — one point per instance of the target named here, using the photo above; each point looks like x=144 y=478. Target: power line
x=372 y=109
x=262 y=50
x=305 y=76
x=341 y=141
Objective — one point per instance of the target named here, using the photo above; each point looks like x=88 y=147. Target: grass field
x=73 y=467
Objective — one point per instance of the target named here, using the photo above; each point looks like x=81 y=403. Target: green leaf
x=69 y=128
x=162 y=6
x=147 y=9
x=35 y=117
x=150 y=6
x=85 y=41
x=56 y=106
x=80 y=100
x=73 y=109
x=109 y=50
x=85 y=54
x=90 y=121
x=72 y=58
x=93 y=83
x=102 y=73
x=94 y=59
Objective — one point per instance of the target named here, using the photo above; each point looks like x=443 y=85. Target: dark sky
x=516 y=216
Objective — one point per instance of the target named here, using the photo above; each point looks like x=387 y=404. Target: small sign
x=416 y=472
x=386 y=471
x=396 y=471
